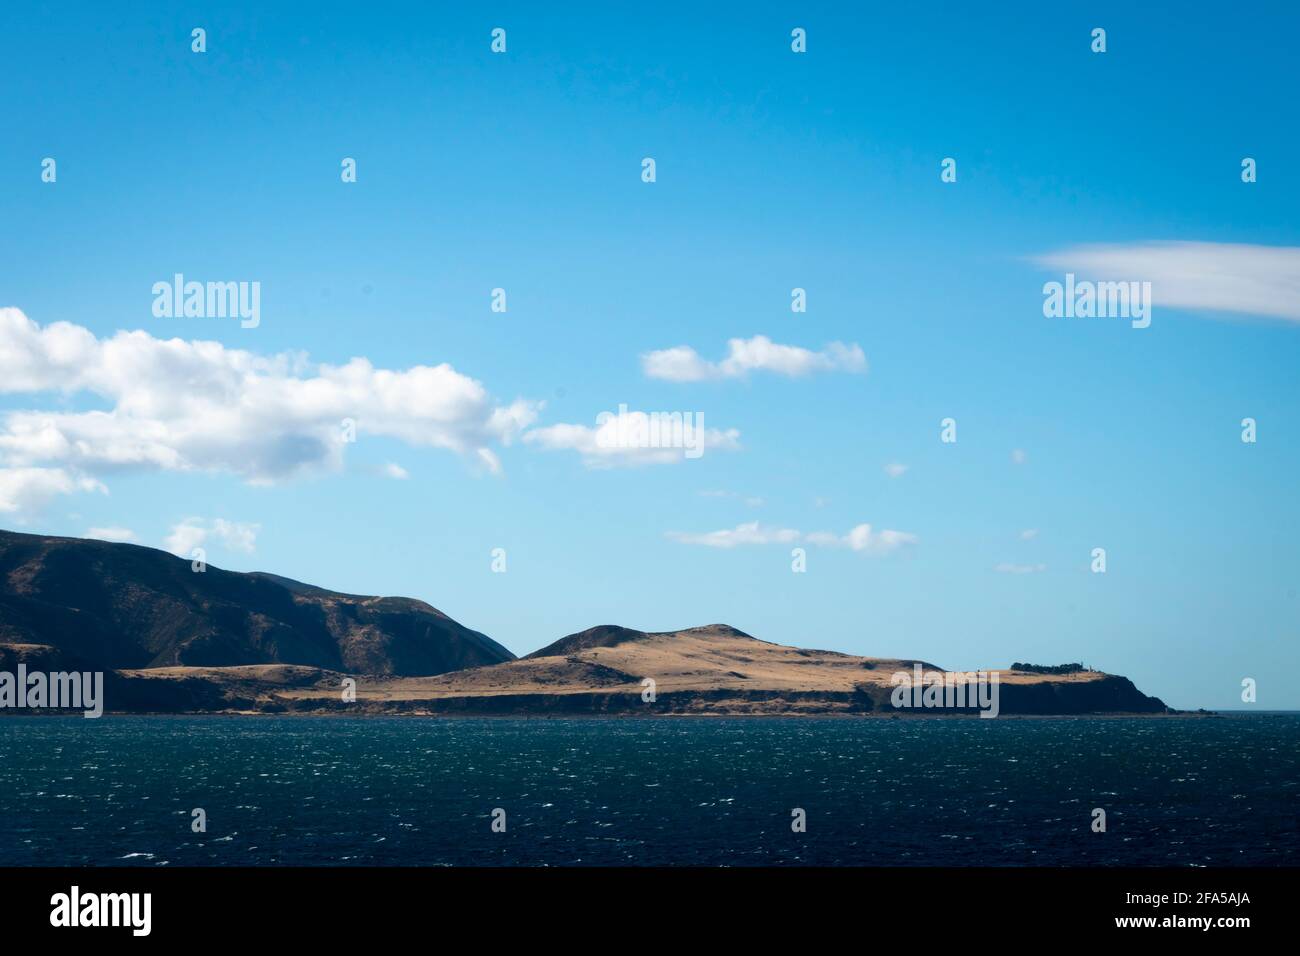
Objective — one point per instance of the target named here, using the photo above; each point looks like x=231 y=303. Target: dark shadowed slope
x=123 y=606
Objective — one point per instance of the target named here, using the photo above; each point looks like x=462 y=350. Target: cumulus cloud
x=631 y=438
x=1210 y=276
x=195 y=532
x=24 y=490
x=396 y=471
x=175 y=405
x=860 y=538
x=758 y=354
x=185 y=537
x=111 y=534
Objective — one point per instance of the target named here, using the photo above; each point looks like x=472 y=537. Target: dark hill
x=118 y=606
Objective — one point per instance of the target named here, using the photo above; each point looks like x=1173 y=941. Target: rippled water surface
x=285 y=790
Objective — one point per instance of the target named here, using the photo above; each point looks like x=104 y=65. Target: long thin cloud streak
x=1206 y=276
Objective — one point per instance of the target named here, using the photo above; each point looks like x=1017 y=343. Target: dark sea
x=678 y=791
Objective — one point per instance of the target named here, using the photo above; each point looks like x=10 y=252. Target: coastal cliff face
x=116 y=606
x=174 y=641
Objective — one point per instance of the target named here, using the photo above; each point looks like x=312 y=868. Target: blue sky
x=774 y=170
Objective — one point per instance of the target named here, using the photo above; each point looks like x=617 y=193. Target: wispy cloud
x=1020 y=568
x=758 y=354
x=1029 y=534
x=860 y=538
x=1208 y=276
x=895 y=469
x=749 y=533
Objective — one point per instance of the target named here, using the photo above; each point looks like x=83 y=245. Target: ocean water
x=680 y=791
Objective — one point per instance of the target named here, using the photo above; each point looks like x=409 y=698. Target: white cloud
x=185 y=537
x=749 y=533
x=861 y=538
x=176 y=405
x=111 y=534
x=1020 y=568
x=1018 y=456
x=396 y=471
x=25 y=490
x=236 y=537
x=1211 y=276
x=1029 y=534
x=624 y=440
x=885 y=541
x=194 y=533
x=758 y=354
x=679 y=364
x=895 y=470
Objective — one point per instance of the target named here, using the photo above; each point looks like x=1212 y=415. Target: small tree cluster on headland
x=1050 y=668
